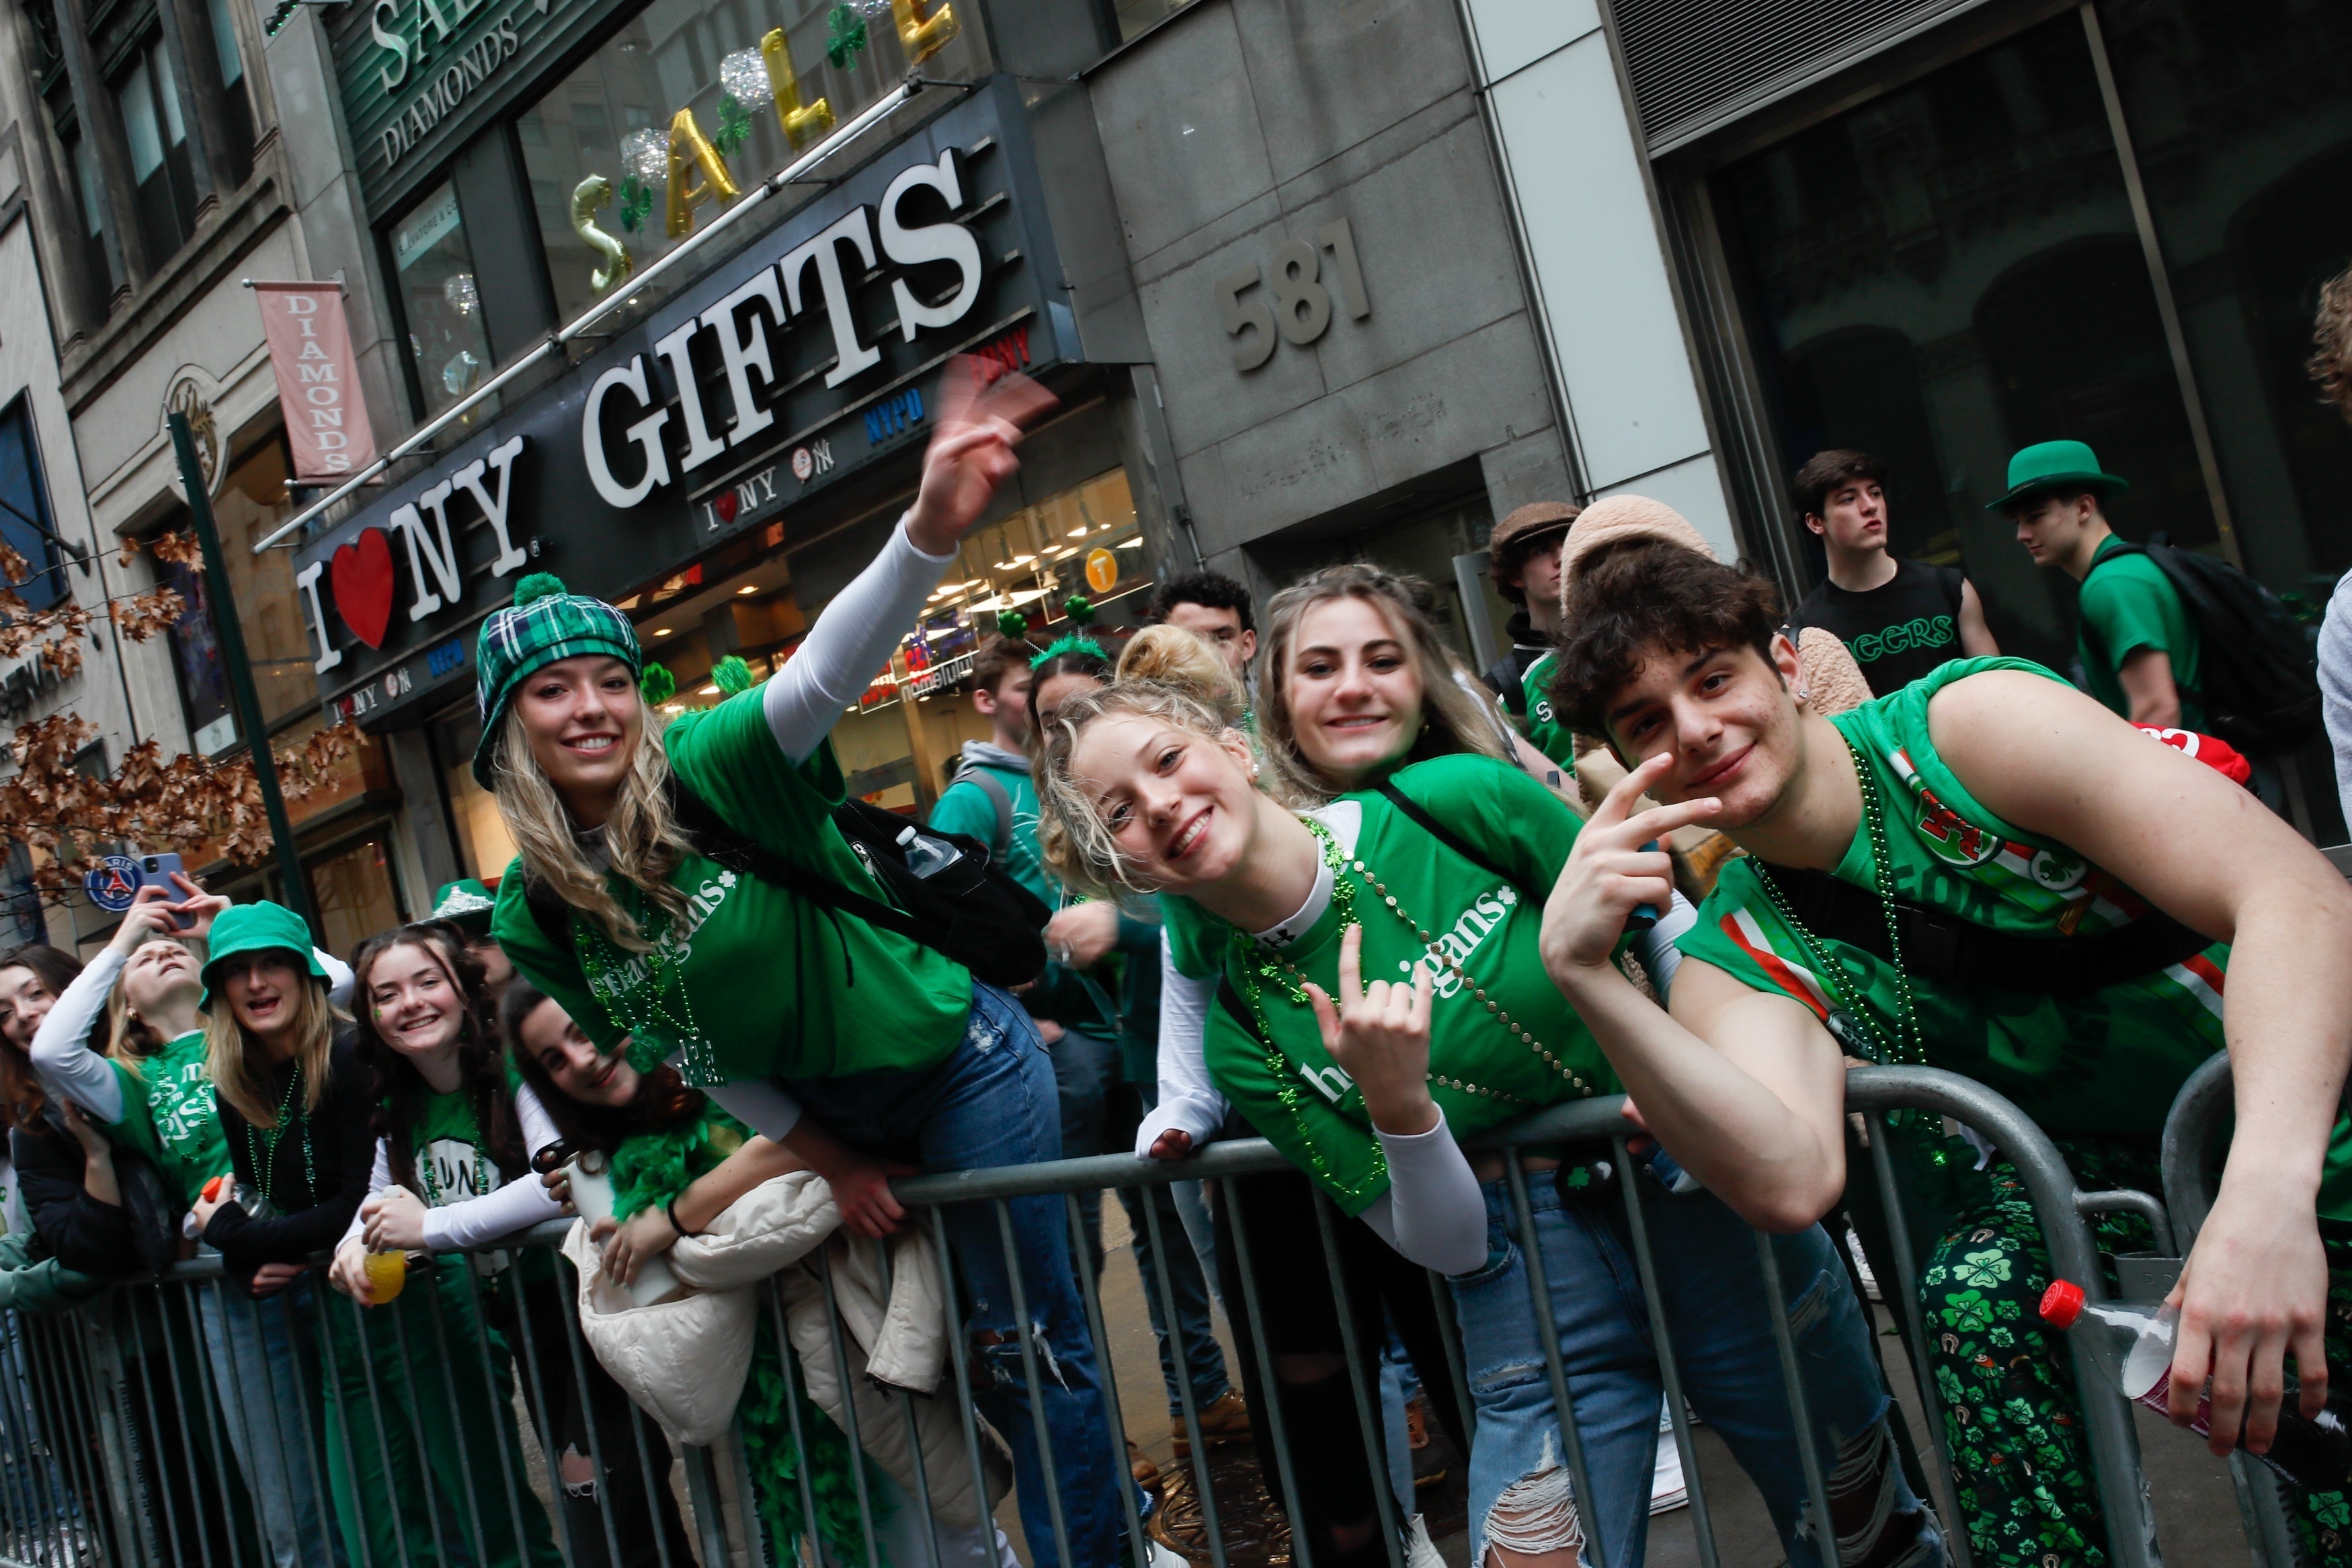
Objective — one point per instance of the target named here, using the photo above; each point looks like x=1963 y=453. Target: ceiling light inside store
x=1079 y=532
x=749 y=587
x=1024 y=597
x=1135 y=543
x=707 y=692
x=661 y=630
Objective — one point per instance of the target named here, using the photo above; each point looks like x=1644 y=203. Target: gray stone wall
x=1242 y=124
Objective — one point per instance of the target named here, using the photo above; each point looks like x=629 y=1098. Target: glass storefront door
x=1948 y=273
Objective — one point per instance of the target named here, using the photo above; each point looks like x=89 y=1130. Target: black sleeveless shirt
x=1899 y=631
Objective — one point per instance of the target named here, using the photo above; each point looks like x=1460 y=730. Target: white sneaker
x=1668 y=1490
x=1420 y=1551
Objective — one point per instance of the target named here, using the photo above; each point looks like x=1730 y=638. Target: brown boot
x=1225 y=1421
x=1145 y=1472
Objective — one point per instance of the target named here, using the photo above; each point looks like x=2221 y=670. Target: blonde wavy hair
x=236 y=1061
x=1164 y=672
x=1452 y=719
x=642 y=835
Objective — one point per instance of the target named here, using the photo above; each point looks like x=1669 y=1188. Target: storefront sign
x=413 y=71
x=810 y=354
x=327 y=425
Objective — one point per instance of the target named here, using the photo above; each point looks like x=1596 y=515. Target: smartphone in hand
x=159 y=870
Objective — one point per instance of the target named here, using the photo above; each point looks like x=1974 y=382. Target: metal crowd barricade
x=2192 y=1140
x=119 y=1451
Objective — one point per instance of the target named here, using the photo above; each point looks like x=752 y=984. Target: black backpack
x=970 y=911
x=2258 y=678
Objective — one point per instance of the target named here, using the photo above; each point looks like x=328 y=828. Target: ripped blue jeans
x=1712 y=1289
x=992 y=1101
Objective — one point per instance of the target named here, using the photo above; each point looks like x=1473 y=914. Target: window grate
x=1696 y=63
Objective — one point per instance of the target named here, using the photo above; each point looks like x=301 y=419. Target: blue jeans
x=1712 y=1287
x=34 y=1496
x=991 y=1103
x=261 y=1380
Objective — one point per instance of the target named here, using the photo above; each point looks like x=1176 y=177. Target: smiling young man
x=1900 y=618
x=2093 y=894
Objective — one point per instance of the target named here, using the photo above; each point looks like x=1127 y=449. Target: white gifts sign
x=310 y=351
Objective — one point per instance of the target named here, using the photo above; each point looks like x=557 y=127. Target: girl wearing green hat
x=895 y=1048
x=297 y=1108
x=154 y=1095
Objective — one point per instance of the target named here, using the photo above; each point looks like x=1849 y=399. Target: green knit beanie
x=545 y=623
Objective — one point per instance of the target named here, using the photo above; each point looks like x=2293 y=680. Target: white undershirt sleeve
x=61 y=1053
x=339 y=976
x=518 y=1206
x=852 y=640
x=539 y=1128
x=1433 y=1212
x=1188 y=1103
x=379 y=1179
x=1655 y=947
x=759 y=1103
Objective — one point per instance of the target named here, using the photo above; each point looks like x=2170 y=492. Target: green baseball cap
x=545 y=623
x=2068 y=466
x=466 y=905
x=256 y=928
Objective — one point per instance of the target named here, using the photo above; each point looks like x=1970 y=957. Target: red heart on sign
x=726 y=506
x=361 y=575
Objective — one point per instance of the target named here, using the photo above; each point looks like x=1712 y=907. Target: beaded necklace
x=263 y=1153
x=1854 y=1011
x=1261 y=965
x=654 y=1029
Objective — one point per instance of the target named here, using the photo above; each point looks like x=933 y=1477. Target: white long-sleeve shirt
x=71 y=1070
x=514 y=1206
x=1433 y=1212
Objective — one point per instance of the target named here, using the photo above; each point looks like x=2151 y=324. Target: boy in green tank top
x=1995 y=793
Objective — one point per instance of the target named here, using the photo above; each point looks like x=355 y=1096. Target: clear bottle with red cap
x=2132 y=1343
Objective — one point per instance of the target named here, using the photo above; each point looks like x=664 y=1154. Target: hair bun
x=1184 y=662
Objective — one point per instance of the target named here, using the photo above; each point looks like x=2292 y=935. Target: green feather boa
x=651 y=1170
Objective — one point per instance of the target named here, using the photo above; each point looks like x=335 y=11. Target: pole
x=240 y=678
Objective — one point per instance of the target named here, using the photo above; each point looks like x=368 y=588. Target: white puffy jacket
x=684 y=1361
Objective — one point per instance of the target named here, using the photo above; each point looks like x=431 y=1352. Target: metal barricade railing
x=2192 y=1133
x=131 y=1458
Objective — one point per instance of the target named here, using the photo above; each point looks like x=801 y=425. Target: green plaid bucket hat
x=545 y=623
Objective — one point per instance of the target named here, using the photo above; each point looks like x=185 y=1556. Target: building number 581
x=1301 y=309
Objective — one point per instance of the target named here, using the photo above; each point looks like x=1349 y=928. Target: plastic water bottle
x=926 y=856
x=2132 y=1342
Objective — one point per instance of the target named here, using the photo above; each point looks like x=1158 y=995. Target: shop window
x=90 y=196
x=2240 y=119
x=157 y=139
x=1136 y=16
x=21 y=913
x=1948 y=273
x=25 y=521
x=735 y=90
x=355 y=892
x=1084 y=541
x=251 y=502
x=440 y=299
x=236 y=104
x=483 y=844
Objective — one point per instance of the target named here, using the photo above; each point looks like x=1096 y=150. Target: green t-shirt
x=1485 y=923
x=773 y=984
x=453 y=1165
x=2127 y=604
x=168 y=1115
x=1544 y=731
x=2107 y=1064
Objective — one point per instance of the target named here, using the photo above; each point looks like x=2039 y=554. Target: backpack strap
x=1001 y=846
x=1455 y=842
x=1943 y=946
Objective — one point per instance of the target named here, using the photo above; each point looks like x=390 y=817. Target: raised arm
x=2214 y=858
x=969 y=456
x=61 y=1050
x=1744 y=1088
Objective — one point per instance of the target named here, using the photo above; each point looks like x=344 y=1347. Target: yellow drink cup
x=387 y=1274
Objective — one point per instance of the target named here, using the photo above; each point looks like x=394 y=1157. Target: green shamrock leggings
x=2015 y=1427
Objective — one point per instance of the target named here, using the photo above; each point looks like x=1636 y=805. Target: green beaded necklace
x=1262 y=966
x=1852 y=1020
x=263 y=1153
x=654 y=1030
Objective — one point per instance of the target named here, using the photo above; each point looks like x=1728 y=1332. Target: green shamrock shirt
x=1484 y=929
x=1544 y=730
x=2107 y=1064
x=2127 y=604
x=453 y=1163
x=756 y=981
x=168 y=1115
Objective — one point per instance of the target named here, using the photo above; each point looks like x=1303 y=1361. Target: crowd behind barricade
x=1297 y=874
